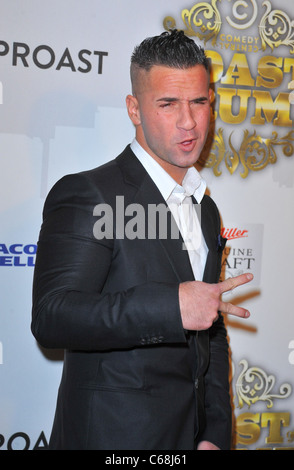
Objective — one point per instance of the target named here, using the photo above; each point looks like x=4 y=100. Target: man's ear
x=133 y=109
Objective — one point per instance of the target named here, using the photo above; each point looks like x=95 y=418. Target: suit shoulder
x=100 y=174
x=96 y=177
x=111 y=174
x=87 y=188
x=79 y=185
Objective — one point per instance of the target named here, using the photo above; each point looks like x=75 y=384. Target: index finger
x=233 y=282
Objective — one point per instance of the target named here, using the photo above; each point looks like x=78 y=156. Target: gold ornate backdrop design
x=254 y=384
x=254 y=153
x=275 y=29
x=204 y=20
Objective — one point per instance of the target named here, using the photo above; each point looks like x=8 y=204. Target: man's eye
x=200 y=101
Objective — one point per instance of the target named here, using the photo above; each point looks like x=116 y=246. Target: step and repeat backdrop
x=64 y=75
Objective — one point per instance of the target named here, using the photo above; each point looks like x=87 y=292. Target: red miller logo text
x=232 y=233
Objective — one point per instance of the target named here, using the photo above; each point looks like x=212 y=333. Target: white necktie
x=189 y=224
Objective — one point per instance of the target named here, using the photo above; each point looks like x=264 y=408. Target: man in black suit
x=137 y=310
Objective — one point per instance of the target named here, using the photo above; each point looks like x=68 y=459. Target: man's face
x=171 y=112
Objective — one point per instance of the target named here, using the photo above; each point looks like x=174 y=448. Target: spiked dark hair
x=170 y=49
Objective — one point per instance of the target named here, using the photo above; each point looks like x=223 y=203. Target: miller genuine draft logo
x=251 y=47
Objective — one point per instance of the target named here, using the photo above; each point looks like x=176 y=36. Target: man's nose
x=186 y=119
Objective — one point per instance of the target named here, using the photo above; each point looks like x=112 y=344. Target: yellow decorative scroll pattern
x=254 y=154
x=276 y=29
x=255 y=385
x=204 y=21
x=203 y=16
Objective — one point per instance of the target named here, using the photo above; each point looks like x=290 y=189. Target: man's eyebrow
x=167 y=99
x=201 y=99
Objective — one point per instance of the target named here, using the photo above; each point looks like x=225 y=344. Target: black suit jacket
x=132 y=377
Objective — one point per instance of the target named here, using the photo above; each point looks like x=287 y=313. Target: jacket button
x=196 y=384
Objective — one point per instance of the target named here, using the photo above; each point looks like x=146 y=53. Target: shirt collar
x=193 y=183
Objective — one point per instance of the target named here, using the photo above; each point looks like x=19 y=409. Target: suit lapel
x=147 y=193
x=210 y=234
x=171 y=241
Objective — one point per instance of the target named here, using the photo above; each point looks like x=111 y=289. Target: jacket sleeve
x=70 y=310
x=217 y=391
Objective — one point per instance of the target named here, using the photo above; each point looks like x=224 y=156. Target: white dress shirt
x=178 y=199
